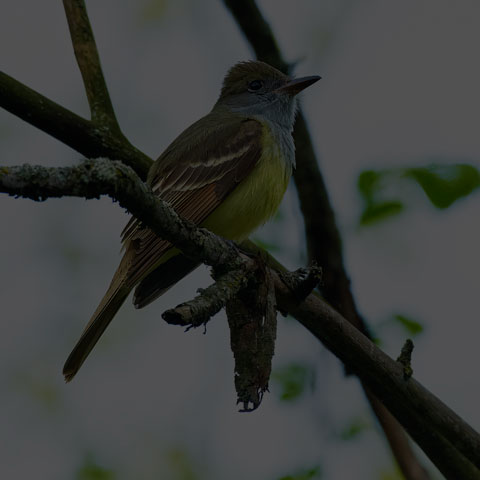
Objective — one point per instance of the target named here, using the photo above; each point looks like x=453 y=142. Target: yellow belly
x=254 y=200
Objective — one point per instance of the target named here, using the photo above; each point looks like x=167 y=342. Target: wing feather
x=194 y=187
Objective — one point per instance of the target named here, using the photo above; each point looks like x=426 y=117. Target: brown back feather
x=194 y=187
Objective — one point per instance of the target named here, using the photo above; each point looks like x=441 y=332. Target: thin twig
x=71 y=129
x=88 y=60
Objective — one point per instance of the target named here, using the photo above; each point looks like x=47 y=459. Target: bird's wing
x=199 y=169
x=194 y=175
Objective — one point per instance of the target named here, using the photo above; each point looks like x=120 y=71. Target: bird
x=227 y=172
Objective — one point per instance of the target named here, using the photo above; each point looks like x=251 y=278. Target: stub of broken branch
x=303 y=281
x=249 y=298
x=210 y=301
x=405 y=358
x=252 y=318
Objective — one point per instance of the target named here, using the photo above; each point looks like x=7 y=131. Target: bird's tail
x=155 y=283
x=162 y=279
x=109 y=306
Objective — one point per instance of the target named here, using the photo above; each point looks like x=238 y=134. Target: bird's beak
x=297 y=85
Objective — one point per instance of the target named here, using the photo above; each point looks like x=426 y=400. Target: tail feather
x=162 y=279
x=151 y=287
x=109 y=306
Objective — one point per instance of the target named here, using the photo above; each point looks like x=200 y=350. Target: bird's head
x=256 y=89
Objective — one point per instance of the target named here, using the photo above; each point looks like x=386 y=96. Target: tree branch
x=252 y=318
x=93 y=178
x=398 y=441
x=120 y=183
x=71 y=129
x=100 y=137
x=429 y=421
x=324 y=244
x=88 y=60
x=441 y=452
x=258 y=32
x=323 y=239
x=210 y=301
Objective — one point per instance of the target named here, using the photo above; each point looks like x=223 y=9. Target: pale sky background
x=399 y=88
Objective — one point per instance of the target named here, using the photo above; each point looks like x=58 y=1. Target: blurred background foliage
x=395 y=123
x=309 y=474
x=443 y=184
x=91 y=471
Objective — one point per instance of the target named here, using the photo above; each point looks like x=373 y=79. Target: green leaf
x=368 y=183
x=444 y=184
x=91 y=471
x=411 y=326
x=293 y=380
x=375 y=212
x=311 y=473
x=371 y=185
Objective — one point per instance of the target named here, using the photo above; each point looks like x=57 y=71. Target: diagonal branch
x=441 y=452
x=456 y=456
x=88 y=60
x=71 y=129
x=451 y=443
x=258 y=32
x=323 y=239
x=99 y=137
x=93 y=178
x=324 y=244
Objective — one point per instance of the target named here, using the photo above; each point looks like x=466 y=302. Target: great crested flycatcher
x=227 y=172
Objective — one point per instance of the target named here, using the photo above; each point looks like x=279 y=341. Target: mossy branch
x=93 y=178
x=78 y=133
x=451 y=443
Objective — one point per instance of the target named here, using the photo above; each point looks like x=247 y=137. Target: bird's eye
x=255 y=85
